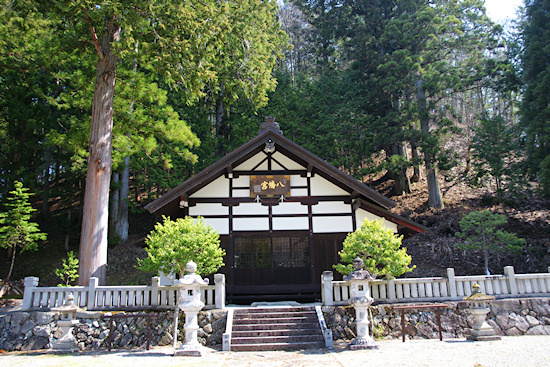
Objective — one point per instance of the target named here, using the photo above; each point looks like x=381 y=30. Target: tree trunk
x=121 y=228
x=68 y=234
x=417 y=171
x=221 y=125
x=402 y=182
x=46 y=187
x=434 y=193
x=113 y=207
x=93 y=239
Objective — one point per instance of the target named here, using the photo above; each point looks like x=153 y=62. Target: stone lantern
x=67 y=321
x=479 y=303
x=189 y=301
x=361 y=301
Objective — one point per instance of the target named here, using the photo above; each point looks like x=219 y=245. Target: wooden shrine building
x=282 y=214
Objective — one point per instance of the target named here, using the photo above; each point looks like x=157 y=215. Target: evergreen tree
x=174 y=243
x=379 y=248
x=480 y=231
x=495 y=153
x=179 y=41
x=535 y=108
x=17 y=231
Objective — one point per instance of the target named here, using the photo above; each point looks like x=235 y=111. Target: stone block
x=42 y=330
x=513 y=332
x=28 y=325
x=522 y=324
x=541 y=306
x=219 y=314
x=88 y=315
x=104 y=334
x=495 y=327
x=424 y=330
x=165 y=339
x=208 y=328
x=532 y=320
x=43 y=318
x=15 y=329
x=35 y=342
x=539 y=330
x=505 y=305
x=19 y=318
x=504 y=320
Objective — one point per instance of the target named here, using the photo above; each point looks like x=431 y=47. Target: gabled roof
x=169 y=202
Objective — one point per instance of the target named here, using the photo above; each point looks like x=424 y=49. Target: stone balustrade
x=442 y=289
x=131 y=297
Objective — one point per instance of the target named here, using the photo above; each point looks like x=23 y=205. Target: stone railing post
x=326 y=283
x=155 y=283
x=219 y=281
x=30 y=284
x=94 y=282
x=452 y=283
x=511 y=276
x=391 y=290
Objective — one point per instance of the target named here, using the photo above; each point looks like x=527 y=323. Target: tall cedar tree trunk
x=93 y=238
x=113 y=205
x=434 y=193
x=122 y=225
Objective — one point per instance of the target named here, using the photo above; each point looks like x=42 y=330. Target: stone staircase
x=288 y=328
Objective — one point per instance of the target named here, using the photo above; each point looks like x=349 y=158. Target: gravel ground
x=529 y=351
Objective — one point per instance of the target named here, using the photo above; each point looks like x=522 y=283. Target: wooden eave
x=169 y=202
x=402 y=222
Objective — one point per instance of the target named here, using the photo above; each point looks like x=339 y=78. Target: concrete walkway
x=529 y=351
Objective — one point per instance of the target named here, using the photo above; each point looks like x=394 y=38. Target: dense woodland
x=427 y=101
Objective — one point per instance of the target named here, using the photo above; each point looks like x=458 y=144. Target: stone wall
x=36 y=330
x=509 y=317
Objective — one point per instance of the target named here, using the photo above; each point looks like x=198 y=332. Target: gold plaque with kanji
x=270 y=186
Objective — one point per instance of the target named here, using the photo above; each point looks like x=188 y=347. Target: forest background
x=429 y=102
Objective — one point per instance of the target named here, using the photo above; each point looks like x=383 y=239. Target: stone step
x=276 y=346
x=278 y=339
x=267 y=332
x=276 y=328
x=274 y=309
x=279 y=326
x=274 y=320
x=268 y=314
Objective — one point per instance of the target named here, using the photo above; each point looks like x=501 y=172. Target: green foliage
x=17 y=230
x=495 y=151
x=69 y=272
x=480 y=231
x=379 y=248
x=173 y=244
x=535 y=109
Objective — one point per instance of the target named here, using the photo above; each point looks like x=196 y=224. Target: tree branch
x=95 y=41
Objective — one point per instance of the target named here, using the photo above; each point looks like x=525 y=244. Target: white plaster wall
x=322 y=187
x=252 y=162
x=250 y=208
x=328 y=207
x=297 y=180
x=332 y=224
x=298 y=192
x=208 y=209
x=289 y=224
x=361 y=215
x=285 y=161
x=241 y=181
x=219 y=224
x=241 y=193
x=290 y=208
x=251 y=224
x=216 y=189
